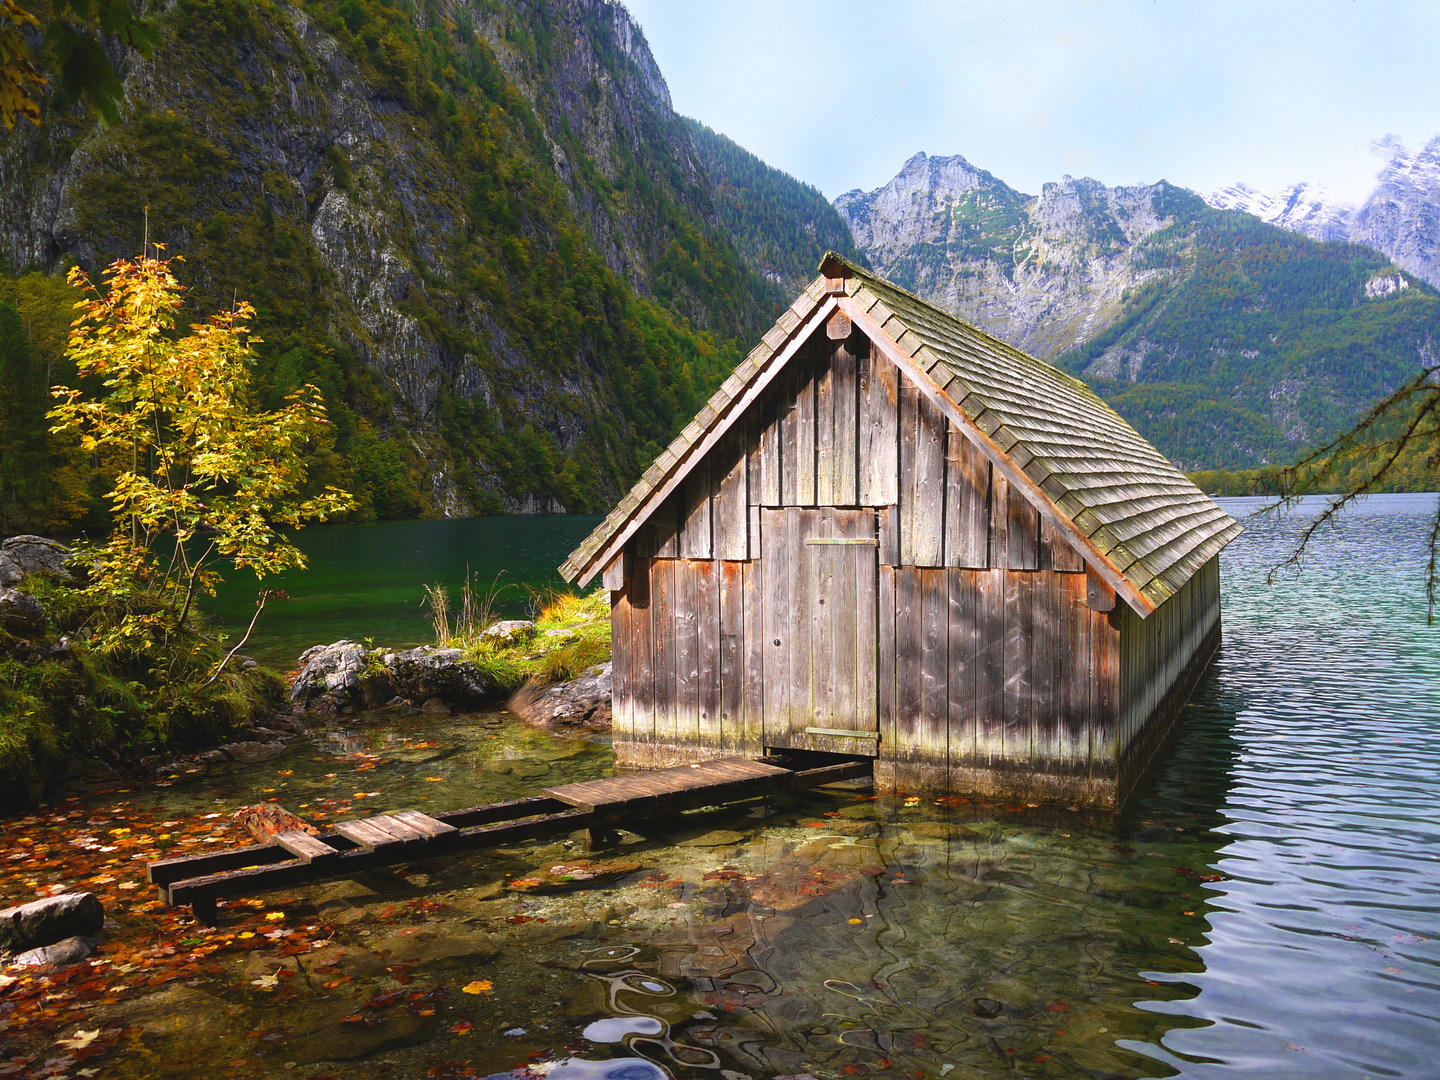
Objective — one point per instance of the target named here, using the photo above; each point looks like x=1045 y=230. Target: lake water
x=1268 y=906
x=367 y=580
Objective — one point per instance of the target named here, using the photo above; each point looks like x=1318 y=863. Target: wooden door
x=820 y=651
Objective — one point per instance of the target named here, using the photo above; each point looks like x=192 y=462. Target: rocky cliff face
x=416 y=203
x=1400 y=217
x=1045 y=273
x=1226 y=341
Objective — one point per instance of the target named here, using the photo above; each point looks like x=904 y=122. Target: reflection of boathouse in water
x=890 y=535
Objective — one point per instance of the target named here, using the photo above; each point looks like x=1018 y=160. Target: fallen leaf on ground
x=80 y=1040
x=480 y=986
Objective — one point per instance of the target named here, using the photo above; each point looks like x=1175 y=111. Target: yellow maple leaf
x=479 y=986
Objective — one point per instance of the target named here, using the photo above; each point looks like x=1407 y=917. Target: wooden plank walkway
x=351 y=847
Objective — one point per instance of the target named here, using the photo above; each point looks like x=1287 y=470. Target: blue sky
x=1203 y=93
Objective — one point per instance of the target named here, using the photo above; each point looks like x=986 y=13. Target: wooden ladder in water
x=350 y=847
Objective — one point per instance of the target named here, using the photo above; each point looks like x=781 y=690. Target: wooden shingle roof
x=1134 y=517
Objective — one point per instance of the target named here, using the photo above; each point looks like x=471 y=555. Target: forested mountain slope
x=477 y=225
x=774 y=219
x=1226 y=341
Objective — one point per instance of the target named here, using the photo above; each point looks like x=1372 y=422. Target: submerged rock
x=429 y=947
x=582 y=703
x=582 y=873
x=44 y=922
x=341 y=1033
x=21 y=555
x=63 y=953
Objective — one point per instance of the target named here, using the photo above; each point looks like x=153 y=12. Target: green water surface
x=367 y=580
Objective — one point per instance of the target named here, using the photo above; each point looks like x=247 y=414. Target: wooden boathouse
x=890 y=535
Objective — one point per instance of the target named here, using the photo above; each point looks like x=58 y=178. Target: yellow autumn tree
x=201 y=478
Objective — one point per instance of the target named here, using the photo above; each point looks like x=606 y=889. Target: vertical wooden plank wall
x=1157 y=651
x=992 y=673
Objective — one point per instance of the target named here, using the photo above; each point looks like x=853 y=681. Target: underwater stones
x=520 y=768
x=21 y=555
x=44 y=922
x=344 y=959
x=431 y=947
x=583 y=703
x=334 y=1036
x=20 y=613
x=714 y=838
x=248 y=753
x=938 y=830
x=510 y=632
x=579 y=873
x=262 y=964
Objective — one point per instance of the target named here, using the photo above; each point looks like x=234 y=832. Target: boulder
x=248 y=753
x=20 y=613
x=510 y=632
x=582 y=703
x=21 y=555
x=44 y=922
x=331 y=674
x=430 y=672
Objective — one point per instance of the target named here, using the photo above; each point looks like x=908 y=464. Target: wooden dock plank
x=367 y=835
x=305 y=847
x=425 y=824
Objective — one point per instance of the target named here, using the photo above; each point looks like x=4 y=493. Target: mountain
x=1400 y=217
x=478 y=225
x=776 y=221
x=1227 y=341
x=1302 y=208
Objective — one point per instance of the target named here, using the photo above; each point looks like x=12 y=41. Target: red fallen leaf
x=872 y=871
x=1041 y=1058
x=833 y=813
x=884 y=1063
x=851 y=1069
x=379 y=1001
x=1058 y=1006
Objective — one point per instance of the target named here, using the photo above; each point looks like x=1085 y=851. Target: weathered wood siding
x=1161 y=658
x=978 y=653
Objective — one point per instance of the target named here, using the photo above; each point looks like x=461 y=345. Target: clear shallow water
x=1269 y=906
x=366 y=580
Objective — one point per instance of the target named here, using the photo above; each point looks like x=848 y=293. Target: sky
x=1203 y=93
